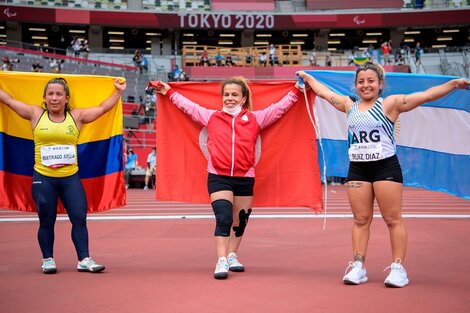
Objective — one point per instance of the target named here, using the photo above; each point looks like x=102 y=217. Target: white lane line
x=210 y=216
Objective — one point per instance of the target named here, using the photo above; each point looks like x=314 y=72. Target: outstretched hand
x=120 y=84
x=160 y=87
x=462 y=83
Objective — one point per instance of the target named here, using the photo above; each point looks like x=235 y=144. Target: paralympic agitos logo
x=9 y=13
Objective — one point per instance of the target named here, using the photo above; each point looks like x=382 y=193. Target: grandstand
x=176 y=32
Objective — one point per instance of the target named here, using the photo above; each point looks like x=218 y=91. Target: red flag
x=287 y=173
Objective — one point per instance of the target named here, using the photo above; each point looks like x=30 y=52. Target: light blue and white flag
x=433 y=144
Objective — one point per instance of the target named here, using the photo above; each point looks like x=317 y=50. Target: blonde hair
x=373 y=66
x=246 y=92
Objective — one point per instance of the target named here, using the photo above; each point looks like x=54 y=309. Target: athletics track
x=160 y=257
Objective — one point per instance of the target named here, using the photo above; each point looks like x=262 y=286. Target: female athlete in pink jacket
x=232 y=134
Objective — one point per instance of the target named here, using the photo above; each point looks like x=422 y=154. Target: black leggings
x=46 y=192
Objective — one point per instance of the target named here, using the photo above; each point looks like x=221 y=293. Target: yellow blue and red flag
x=99 y=147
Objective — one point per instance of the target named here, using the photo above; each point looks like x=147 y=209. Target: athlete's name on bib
x=365 y=156
x=58 y=157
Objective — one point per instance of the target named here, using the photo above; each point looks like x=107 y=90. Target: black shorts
x=240 y=186
x=386 y=169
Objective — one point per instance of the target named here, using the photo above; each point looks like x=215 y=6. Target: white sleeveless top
x=370 y=134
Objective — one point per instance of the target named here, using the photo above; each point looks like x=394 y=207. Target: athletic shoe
x=397 y=277
x=89 y=265
x=233 y=263
x=146 y=188
x=48 y=266
x=357 y=275
x=221 y=269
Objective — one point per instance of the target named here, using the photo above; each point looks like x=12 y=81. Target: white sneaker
x=89 y=265
x=48 y=266
x=357 y=275
x=397 y=276
x=233 y=263
x=221 y=268
x=146 y=188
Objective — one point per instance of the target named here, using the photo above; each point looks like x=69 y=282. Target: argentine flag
x=433 y=144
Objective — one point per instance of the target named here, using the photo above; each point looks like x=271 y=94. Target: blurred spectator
x=56 y=65
x=418 y=54
x=175 y=74
x=327 y=60
x=183 y=76
x=263 y=59
x=385 y=49
x=150 y=104
x=351 y=58
x=137 y=59
x=204 y=59
x=229 y=60
x=76 y=46
x=85 y=48
x=151 y=166
x=37 y=67
x=399 y=58
x=7 y=63
x=130 y=165
x=218 y=59
x=370 y=51
x=313 y=59
x=248 y=58
x=272 y=55
x=144 y=64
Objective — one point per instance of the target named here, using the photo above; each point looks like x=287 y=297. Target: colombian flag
x=99 y=148
x=287 y=173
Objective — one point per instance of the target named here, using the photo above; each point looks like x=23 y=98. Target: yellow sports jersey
x=55 y=146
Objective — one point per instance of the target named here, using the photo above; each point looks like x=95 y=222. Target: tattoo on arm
x=354 y=184
x=334 y=101
x=359 y=257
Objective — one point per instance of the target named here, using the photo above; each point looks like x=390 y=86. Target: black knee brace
x=223 y=211
x=240 y=229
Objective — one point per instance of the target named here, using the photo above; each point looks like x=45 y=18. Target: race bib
x=59 y=155
x=365 y=152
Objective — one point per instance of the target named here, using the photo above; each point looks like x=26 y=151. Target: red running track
x=158 y=261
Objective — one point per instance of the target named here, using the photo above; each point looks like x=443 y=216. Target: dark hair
x=246 y=92
x=60 y=81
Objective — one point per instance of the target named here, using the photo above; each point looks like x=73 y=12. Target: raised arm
x=26 y=111
x=341 y=103
x=88 y=115
x=403 y=103
x=198 y=113
x=275 y=111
